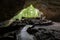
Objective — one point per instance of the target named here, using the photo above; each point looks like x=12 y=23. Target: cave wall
x=51 y=8
x=9 y=8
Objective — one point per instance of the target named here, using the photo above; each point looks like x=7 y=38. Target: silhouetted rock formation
x=9 y=8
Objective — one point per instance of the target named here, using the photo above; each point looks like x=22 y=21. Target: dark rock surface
x=9 y=8
x=51 y=32
x=40 y=32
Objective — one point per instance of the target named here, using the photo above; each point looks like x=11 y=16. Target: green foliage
x=29 y=12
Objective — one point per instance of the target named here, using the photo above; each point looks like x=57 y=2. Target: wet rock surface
x=44 y=31
x=50 y=32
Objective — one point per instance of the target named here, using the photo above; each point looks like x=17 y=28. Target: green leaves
x=29 y=12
